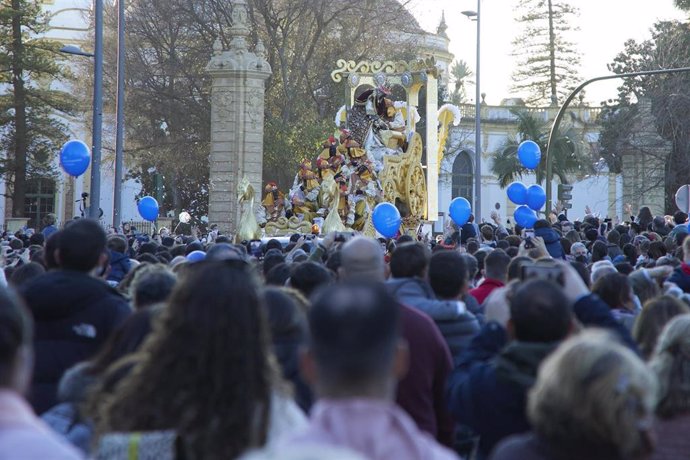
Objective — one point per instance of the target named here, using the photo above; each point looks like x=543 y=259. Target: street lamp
x=75 y=50
x=476 y=16
x=120 y=115
x=97 y=117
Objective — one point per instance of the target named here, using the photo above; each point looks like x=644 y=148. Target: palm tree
x=461 y=73
x=568 y=156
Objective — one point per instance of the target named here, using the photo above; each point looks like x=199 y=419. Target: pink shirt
x=377 y=429
x=24 y=436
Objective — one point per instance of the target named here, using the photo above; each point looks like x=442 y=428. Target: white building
x=602 y=192
x=69 y=24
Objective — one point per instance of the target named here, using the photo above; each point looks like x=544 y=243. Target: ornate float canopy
x=396 y=72
x=412 y=76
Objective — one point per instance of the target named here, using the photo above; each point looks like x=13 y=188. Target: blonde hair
x=593 y=395
x=671 y=364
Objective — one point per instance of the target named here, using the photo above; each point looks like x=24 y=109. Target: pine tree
x=548 y=61
x=31 y=131
x=683 y=4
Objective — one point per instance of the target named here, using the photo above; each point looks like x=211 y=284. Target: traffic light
x=565 y=195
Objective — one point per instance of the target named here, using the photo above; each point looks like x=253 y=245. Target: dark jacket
x=532 y=447
x=65 y=418
x=459 y=332
x=488 y=388
x=119 y=266
x=467 y=231
x=681 y=277
x=552 y=241
x=421 y=393
x=74 y=314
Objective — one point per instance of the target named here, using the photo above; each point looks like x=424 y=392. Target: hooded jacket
x=552 y=241
x=74 y=314
x=119 y=266
x=417 y=293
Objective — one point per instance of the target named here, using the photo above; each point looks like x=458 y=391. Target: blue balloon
x=536 y=197
x=148 y=208
x=517 y=193
x=196 y=256
x=460 y=211
x=386 y=219
x=525 y=217
x=529 y=154
x=75 y=157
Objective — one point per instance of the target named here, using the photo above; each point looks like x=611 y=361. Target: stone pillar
x=237 y=119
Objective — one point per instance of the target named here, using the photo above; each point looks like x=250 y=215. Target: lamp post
x=97 y=115
x=95 y=203
x=120 y=115
x=476 y=16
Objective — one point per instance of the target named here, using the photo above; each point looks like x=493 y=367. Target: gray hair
x=601 y=269
x=593 y=393
x=577 y=245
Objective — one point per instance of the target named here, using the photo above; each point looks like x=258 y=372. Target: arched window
x=39 y=201
x=463 y=177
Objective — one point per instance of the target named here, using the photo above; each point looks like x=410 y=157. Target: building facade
x=70 y=25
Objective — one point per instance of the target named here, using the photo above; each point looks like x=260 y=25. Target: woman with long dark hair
x=207 y=374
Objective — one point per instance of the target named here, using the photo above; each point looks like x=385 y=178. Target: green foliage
x=683 y=4
x=460 y=73
x=669 y=95
x=568 y=156
x=548 y=60
x=168 y=90
x=32 y=110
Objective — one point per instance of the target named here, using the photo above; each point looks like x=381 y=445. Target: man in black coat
x=449 y=279
x=488 y=389
x=74 y=310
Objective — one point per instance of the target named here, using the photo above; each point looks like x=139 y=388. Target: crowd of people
x=567 y=341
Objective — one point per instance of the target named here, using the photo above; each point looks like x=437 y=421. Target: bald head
x=362 y=257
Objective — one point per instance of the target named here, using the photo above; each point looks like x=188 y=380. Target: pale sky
x=605 y=25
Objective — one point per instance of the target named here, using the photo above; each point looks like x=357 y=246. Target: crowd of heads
x=216 y=336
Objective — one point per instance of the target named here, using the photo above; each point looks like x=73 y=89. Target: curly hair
x=207 y=371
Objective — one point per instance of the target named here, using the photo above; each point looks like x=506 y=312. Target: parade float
x=376 y=155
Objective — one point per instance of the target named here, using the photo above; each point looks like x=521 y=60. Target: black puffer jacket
x=74 y=314
x=459 y=332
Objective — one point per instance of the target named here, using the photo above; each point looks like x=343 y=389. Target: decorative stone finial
x=260 y=49
x=240 y=25
x=217 y=47
x=442 y=27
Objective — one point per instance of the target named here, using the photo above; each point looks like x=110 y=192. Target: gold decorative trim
x=345 y=67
